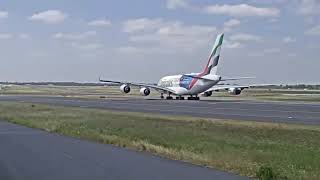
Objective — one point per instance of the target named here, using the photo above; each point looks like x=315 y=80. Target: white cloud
x=38 y=54
x=310 y=19
x=289 y=39
x=173 y=4
x=87 y=46
x=100 y=23
x=235 y=10
x=134 y=50
x=50 y=17
x=265 y=52
x=75 y=36
x=142 y=24
x=158 y=33
x=128 y=49
x=4 y=14
x=230 y=24
x=315 y=31
x=245 y=37
x=232 y=45
x=273 y=20
x=143 y=50
x=271 y=51
x=24 y=36
x=256 y=54
x=177 y=35
x=6 y=36
x=269 y=1
x=292 y=55
x=309 y=7
x=179 y=29
x=242 y=10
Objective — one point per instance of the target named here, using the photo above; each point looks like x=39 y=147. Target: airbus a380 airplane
x=191 y=84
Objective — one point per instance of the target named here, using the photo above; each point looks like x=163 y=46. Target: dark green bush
x=266 y=173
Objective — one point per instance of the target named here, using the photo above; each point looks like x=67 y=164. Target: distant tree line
x=297 y=86
x=52 y=83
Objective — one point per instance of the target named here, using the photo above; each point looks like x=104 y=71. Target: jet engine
x=235 y=91
x=125 y=88
x=145 y=91
x=207 y=94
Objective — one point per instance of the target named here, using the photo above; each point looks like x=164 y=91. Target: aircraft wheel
x=179 y=98
x=194 y=98
x=169 y=98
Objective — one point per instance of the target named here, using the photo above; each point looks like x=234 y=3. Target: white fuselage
x=188 y=84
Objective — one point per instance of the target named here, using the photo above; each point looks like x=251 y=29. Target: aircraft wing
x=237 y=78
x=222 y=79
x=227 y=87
x=152 y=86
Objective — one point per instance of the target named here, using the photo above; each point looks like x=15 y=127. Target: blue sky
x=276 y=41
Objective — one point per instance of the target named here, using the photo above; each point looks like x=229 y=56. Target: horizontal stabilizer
x=207 y=78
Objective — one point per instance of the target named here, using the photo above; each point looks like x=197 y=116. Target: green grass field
x=289 y=151
x=69 y=91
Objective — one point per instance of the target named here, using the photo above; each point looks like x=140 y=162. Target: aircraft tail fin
x=213 y=60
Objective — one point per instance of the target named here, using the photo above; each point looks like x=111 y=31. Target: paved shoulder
x=33 y=154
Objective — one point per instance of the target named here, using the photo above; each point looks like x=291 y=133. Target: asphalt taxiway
x=33 y=154
x=278 y=112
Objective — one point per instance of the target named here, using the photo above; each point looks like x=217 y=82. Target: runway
x=33 y=154
x=279 y=112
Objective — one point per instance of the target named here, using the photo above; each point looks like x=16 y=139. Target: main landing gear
x=179 y=98
x=196 y=98
x=169 y=97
